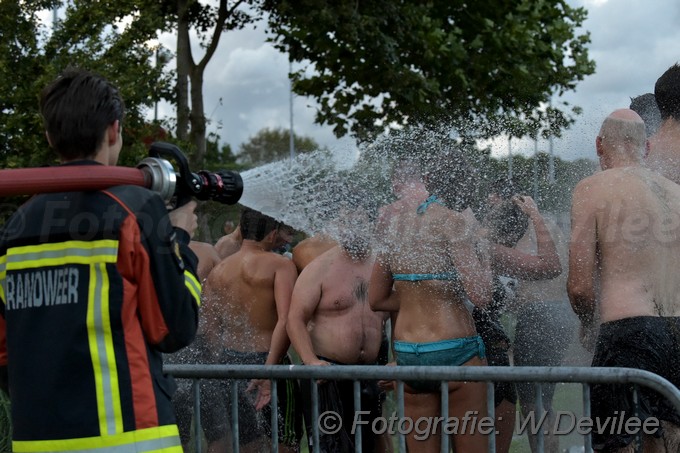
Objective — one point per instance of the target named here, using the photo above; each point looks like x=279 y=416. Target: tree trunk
x=197 y=116
x=188 y=71
x=184 y=66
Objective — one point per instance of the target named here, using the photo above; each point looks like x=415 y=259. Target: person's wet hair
x=453 y=180
x=77 y=108
x=255 y=226
x=645 y=106
x=506 y=223
x=335 y=190
x=348 y=196
x=503 y=187
x=407 y=169
x=667 y=93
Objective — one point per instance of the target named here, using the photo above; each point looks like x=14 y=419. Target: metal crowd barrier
x=489 y=374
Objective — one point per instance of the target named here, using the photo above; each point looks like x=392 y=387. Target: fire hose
x=154 y=173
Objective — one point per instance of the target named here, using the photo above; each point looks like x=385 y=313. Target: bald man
x=626 y=234
x=229 y=244
x=207 y=258
x=310 y=248
x=664 y=156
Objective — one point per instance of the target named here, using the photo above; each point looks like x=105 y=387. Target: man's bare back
x=332 y=292
x=207 y=257
x=626 y=230
x=309 y=249
x=229 y=244
x=664 y=154
x=637 y=213
x=245 y=306
x=241 y=307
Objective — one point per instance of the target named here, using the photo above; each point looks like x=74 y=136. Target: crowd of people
x=426 y=280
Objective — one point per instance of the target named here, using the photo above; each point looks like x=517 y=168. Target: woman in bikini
x=427 y=268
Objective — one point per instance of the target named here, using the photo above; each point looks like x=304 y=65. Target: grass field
x=568 y=398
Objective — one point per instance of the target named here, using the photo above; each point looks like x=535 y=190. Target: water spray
x=154 y=172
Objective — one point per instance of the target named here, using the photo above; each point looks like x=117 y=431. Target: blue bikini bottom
x=453 y=352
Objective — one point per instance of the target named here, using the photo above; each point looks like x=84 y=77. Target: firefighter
x=94 y=286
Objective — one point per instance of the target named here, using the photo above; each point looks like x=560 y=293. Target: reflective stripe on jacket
x=94 y=286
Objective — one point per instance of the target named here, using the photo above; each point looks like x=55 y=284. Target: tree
x=89 y=35
x=20 y=70
x=270 y=145
x=376 y=63
x=210 y=22
x=487 y=66
x=112 y=38
x=552 y=196
x=217 y=158
x=211 y=214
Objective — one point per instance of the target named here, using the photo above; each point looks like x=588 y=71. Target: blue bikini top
x=452 y=275
x=424 y=205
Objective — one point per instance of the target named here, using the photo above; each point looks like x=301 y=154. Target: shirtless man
x=625 y=229
x=207 y=258
x=330 y=322
x=664 y=156
x=645 y=106
x=308 y=249
x=229 y=244
x=246 y=301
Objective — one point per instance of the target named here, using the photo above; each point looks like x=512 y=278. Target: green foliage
x=22 y=140
x=90 y=35
x=488 y=66
x=211 y=214
x=270 y=145
x=483 y=67
x=470 y=170
x=552 y=196
x=5 y=422
x=217 y=158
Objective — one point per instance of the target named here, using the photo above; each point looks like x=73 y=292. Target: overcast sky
x=632 y=42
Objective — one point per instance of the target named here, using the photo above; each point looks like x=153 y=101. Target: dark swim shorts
x=216 y=405
x=645 y=342
x=338 y=396
x=496 y=343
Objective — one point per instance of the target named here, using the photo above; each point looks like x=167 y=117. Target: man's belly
x=347 y=341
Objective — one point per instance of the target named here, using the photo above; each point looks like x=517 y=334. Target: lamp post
x=291 y=143
x=551 y=164
x=536 y=170
x=510 y=158
x=551 y=158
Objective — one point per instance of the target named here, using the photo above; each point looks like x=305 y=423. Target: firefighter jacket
x=94 y=287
